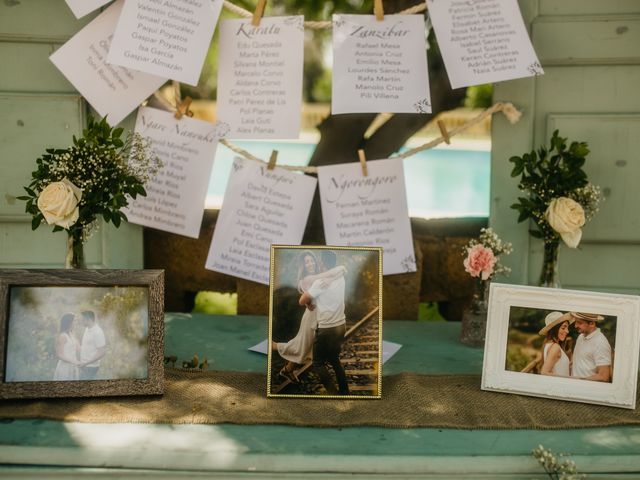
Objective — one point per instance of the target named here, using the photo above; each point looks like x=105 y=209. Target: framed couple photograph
x=81 y=333
x=325 y=322
x=563 y=344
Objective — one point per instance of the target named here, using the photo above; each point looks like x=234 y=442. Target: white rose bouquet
x=560 y=199
x=94 y=178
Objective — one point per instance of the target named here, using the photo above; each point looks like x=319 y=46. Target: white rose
x=566 y=216
x=58 y=202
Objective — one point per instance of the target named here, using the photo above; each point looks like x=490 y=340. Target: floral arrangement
x=93 y=178
x=555 y=469
x=560 y=199
x=482 y=255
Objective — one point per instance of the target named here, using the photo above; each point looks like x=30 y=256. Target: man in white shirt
x=92 y=348
x=592 y=354
x=327 y=299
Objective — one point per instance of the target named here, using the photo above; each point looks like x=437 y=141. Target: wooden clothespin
x=258 y=12
x=363 y=163
x=443 y=131
x=378 y=10
x=272 y=160
x=183 y=108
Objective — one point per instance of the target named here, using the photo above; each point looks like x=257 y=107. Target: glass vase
x=474 y=320
x=75 y=249
x=549 y=276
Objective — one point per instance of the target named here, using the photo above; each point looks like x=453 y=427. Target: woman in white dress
x=67 y=351
x=556 y=352
x=299 y=349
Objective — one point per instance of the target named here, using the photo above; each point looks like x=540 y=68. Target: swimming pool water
x=441 y=182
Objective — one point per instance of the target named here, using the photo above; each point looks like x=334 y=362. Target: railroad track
x=359 y=357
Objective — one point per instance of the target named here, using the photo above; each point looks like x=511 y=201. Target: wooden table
x=49 y=449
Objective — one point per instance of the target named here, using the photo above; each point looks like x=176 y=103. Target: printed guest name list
x=261 y=207
x=379 y=66
x=260 y=77
x=483 y=41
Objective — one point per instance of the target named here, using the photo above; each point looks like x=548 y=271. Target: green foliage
x=428 y=312
x=216 y=303
x=545 y=174
x=108 y=169
x=479 y=96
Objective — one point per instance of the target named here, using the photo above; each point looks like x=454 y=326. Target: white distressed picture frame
x=621 y=392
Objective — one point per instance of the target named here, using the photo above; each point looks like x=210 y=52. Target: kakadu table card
x=169 y=39
x=82 y=7
x=371 y=210
x=112 y=90
x=483 y=41
x=260 y=77
x=261 y=207
x=176 y=196
x=379 y=66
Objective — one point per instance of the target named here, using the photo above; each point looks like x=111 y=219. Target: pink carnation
x=480 y=261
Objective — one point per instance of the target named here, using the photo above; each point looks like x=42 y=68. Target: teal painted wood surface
x=41 y=109
x=590 y=53
x=177 y=451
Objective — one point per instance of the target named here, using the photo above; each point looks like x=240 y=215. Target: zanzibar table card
x=260 y=77
x=82 y=7
x=176 y=195
x=379 y=66
x=371 y=210
x=483 y=41
x=169 y=39
x=261 y=207
x=113 y=91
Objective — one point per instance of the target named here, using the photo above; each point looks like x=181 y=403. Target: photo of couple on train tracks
x=325 y=322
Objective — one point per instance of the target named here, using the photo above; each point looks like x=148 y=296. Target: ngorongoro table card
x=82 y=7
x=176 y=195
x=261 y=207
x=371 y=210
x=483 y=41
x=112 y=90
x=168 y=39
x=379 y=66
x=260 y=77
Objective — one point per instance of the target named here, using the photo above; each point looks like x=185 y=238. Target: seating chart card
x=82 y=7
x=483 y=41
x=261 y=207
x=368 y=211
x=169 y=39
x=113 y=91
x=379 y=66
x=260 y=77
x=176 y=196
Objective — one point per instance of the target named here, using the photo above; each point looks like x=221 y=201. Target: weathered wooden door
x=590 y=51
x=40 y=109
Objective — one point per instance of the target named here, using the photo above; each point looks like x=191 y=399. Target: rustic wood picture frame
x=153 y=384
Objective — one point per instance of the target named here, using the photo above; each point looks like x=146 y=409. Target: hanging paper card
x=175 y=197
x=113 y=91
x=371 y=210
x=260 y=77
x=483 y=41
x=379 y=66
x=81 y=7
x=169 y=39
x=261 y=207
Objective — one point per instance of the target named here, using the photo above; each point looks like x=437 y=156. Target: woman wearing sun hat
x=556 y=354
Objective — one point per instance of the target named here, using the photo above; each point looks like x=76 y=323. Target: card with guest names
x=379 y=66
x=80 y=8
x=483 y=41
x=176 y=195
x=261 y=207
x=112 y=90
x=168 y=39
x=371 y=210
x=260 y=77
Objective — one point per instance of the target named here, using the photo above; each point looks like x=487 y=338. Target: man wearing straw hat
x=592 y=355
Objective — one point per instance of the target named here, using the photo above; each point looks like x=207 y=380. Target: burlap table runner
x=409 y=400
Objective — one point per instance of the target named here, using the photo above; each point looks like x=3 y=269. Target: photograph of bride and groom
x=325 y=335
x=77 y=333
